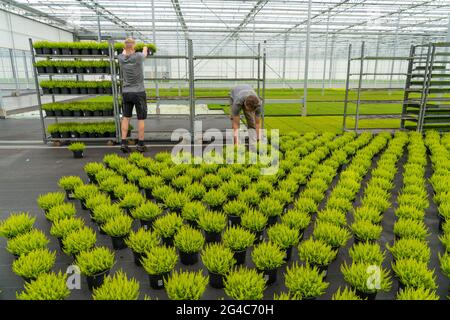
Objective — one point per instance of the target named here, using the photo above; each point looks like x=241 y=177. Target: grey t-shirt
x=132 y=67
x=238 y=95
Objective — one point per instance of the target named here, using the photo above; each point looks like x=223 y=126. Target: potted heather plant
x=47 y=286
x=188 y=241
x=131 y=201
x=167 y=226
x=118 y=228
x=117 y=287
x=317 y=254
x=234 y=210
x=256 y=222
x=147 y=213
x=238 y=240
x=84 y=192
x=219 y=260
x=95 y=264
x=62 y=227
x=29 y=266
x=268 y=257
x=66 y=210
x=69 y=183
x=245 y=284
x=297 y=220
x=212 y=223
x=16 y=224
x=158 y=262
x=49 y=200
x=214 y=199
x=79 y=240
x=286 y=238
x=305 y=282
x=176 y=201
x=195 y=191
x=191 y=212
x=77 y=148
x=148 y=183
x=185 y=285
x=141 y=242
x=27 y=242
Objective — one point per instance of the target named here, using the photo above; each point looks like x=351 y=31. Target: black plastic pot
x=137 y=258
x=77 y=113
x=55 y=135
x=240 y=256
x=148 y=194
x=89 y=70
x=50 y=69
x=65 y=91
x=78 y=154
x=75 y=51
x=84 y=135
x=96 y=280
x=167 y=241
x=98 y=113
x=188 y=258
x=212 y=236
x=65 y=135
x=269 y=275
x=83 y=90
x=272 y=220
x=39 y=50
x=67 y=113
x=288 y=255
x=192 y=223
x=92 y=90
x=95 y=52
x=58 y=113
x=88 y=113
x=79 y=70
x=104 y=52
x=85 y=51
x=99 y=70
x=107 y=90
x=234 y=220
x=118 y=243
x=60 y=69
x=146 y=224
x=365 y=295
x=74 y=90
x=66 y=51
x=49 y=113
x=157 y=280
x=46 y=51
x=83 y=205
x=70 y=70
x=40 y=69
x=61 y=244
x=216 y=280
x=46 y=90
x=258 y=236
x=69 y=195
x=56 y=51
x=56 y=90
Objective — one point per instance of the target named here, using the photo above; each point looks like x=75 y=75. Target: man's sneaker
x=141 y=148
x=125 y=148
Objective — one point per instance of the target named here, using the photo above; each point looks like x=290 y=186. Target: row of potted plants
x=78 y=109
x=73 y=66
x=82 y=48
x=76 y=87
x=68 y=130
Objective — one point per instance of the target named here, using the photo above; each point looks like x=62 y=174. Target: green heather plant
x=181 y=182
x=69 y=183
x=97 y=200
x=161 y=192
x=166 y=226
x=108 y=180
x=51 y=199
x=411 y=229
x=169 y=173
x=307 y=205
x=118 y=226
x=254 y=220
x=366 y=231
x=316 y=252
x=245 y=284
x=415 y=274
x=237 y=238
x=417 y=294
x=185 y=285
x=150 y=182
x=16 y=224
x=270 y=207
x=445 y=264
x=117 y=287
x=250 y=197
x=79 y=240
x=77 y=146
x=296 y=219
x=283 y=196
x=32 y=264
x=263 y=187
x=345 y=294
x=342 y=204
x=147 y=211
x=159 y=260
x=62 y=211
x=27 y=242
x=367 y=214
x=95 y=261
x=235 y=208
x=267 y=256
x=366 y=252
x=445 y=239
x=410 y=249
x=331 y=234
x=282 y=235
x=131 y=200
x=63 y=227
x=48 y=286
x=217 y=258
x=195 y=191
x=333 y=216
x=135 y=175
x=142 y=240
x=121 y=190
x=189 y=240
x=418 y=201
x=105 y=212
x=305 y=281
x=378 y=203
x=176 y=201
x=212 y=221
x=85 y=191
x=214 y=198
x=231 y=189
x=358 y=276
x=192 y=210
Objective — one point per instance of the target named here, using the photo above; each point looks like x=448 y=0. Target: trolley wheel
x=57 y=143
x=110 y=143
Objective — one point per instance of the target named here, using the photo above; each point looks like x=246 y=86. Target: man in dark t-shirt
x=133 y=91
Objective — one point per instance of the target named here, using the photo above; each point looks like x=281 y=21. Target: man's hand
x=124 y=52
x=145 y=51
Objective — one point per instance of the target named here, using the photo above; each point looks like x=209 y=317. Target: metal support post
x=235 y=60
x=331 y=64
x=308 y=40
x=347 y=84
x=259 y=70
x=154 y=60
x=407 y=84
x=394 y=51
x=284 y=57
x=115 y=91
x=25 y=68
x=191 y=90
x=375 y=68
x=12 y=57
x=426 y=85
x=99 y=28
x=263 y=96
x=358 y=98
x=325 y=55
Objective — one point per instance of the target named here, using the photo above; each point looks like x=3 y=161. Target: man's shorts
x=134 y=99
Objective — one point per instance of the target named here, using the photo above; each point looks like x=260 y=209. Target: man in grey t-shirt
x=133 y=91
x=243 y=97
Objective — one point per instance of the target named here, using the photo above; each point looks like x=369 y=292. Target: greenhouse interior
x=225 y=150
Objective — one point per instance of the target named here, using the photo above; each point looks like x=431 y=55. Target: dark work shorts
x=134 y=99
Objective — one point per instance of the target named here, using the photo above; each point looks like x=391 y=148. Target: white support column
x=99 y=27
x=325 y=55
x=284 y=56
x=299 y=60
x=155 y=61
x=331 y=64
x=394 y=53
x=308 y=40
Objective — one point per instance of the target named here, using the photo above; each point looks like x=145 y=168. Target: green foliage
x=342 y=204
x=358 y=275
x=48 y=286
x=410 y=249
x=283 y=196
x=189 y=240
x=181 y=182
x=296 y=219
x=192 y=210
x=85 y=191
x=235 y=208
x=415 y=274
x=132 y=200
x=366 y=252
x=79 y=240
x=51 y=199
x=214 y=198
x=121 y=190
x=268 y=256
x=16 y=224
x=117 y=287
x=95 y=261
x=445 y=239
x=217 y=258
x=212 y=221
x=63 y=227
x=118 y=226
x=231 y=189
x=270 y=207
x=77 y=146
x=417 y=201
x=332 y=216
x=161 y=192
x=195 y=191
x=32 y=264
x=185 y=285
x=445 y=264
x=307 y=205
x=254 y=220
x=105 y=212
x=366 y=231
x=96 y=200
x=417 y=294
x=411 y=229
x=346 y=294
x=245 y=284
x=142 y=240
x=166 y=226
x=284 y=236
x=250 y=197
x=331 y=234
x=368 y=214
x=316 y=252
x=62 y=211
x=150 y=182
x=27 y=242
x=69 y=183
x=237 y=238
x=305 y=281
x=159 y=260
x=176 y=201
x=147 y=211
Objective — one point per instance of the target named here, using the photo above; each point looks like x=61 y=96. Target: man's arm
x=145 y=52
